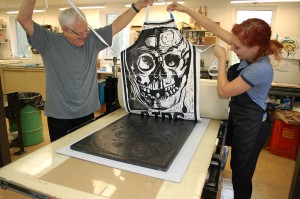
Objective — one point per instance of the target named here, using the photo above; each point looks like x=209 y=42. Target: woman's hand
x=220 y=53
x=176 y=6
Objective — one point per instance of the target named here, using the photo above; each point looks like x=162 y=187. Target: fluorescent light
x=159 y=3
x=86 y=7
x=16 y=11
x=39 y=10
x=91 y=7
x=12 y=12
x=263 y=1
x=180 y=2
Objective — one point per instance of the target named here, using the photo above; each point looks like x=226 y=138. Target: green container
x=32 y=126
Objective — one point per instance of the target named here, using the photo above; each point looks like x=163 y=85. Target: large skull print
x=158 y=66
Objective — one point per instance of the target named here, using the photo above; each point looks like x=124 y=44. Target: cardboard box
x=289 y=117
x=208 y=40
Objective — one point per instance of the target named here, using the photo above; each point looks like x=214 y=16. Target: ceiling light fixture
x=16 y=11
x=86 y=7
x=159 y=3
x=263 y=1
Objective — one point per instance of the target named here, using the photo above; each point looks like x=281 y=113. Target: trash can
x=31 y=104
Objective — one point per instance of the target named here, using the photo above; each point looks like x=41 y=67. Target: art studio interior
x=159 y=128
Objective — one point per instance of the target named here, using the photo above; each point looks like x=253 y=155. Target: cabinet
x=23 y=80
x=199 y=37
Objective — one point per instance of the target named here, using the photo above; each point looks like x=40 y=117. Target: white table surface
x=60 y=176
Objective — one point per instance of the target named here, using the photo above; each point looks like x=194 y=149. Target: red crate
x=285 y=139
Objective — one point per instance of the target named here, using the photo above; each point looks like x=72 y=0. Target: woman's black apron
x=244 y=124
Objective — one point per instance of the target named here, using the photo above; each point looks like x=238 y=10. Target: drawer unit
x=217 y=163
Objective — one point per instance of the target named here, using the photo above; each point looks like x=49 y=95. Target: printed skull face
x=159 y=67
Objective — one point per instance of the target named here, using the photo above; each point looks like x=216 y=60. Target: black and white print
x=160 y=73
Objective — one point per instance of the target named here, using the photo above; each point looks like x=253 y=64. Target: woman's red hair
x=256 y=32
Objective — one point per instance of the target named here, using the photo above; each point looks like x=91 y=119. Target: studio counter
x=47 y=173
x=23 y=78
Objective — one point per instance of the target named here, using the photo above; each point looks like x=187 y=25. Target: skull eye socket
x=172 y=60
x=145 y=62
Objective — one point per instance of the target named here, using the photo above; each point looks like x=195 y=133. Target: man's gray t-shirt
x=71 y=72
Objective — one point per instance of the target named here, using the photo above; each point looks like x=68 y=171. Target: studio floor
x=271 y=180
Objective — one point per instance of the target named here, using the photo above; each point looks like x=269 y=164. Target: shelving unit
x=199 y=37
x=3 y=38
x=284 y=92
x=202 y=39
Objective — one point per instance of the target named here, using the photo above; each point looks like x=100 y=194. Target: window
x=24 y=50
x=20 y=46
x=265 y=13
x=120 y=41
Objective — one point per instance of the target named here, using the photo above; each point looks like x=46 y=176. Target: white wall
x=288 y=15
x=288 y=20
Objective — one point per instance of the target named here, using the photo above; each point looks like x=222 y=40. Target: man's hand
x=143 y=3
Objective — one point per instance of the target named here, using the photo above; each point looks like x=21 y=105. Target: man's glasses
x=83 y=34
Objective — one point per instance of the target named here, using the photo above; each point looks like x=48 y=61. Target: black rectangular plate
x=139 y=140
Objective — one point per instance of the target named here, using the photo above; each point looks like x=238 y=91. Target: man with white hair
x=70 y=61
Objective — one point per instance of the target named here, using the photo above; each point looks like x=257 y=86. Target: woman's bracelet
x=135 y=9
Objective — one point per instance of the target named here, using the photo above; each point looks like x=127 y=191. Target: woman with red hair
x=248 y=84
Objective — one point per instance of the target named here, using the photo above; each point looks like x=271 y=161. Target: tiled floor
x=271 y=180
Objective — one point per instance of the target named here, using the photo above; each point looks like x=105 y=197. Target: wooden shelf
x=136 y=28
x=285 y=90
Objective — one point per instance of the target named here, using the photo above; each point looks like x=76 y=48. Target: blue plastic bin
x=101 y=85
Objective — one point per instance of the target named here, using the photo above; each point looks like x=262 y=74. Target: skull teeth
x=160 y=89
x=157 y=94
x=170 y=87
x=161 y=84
